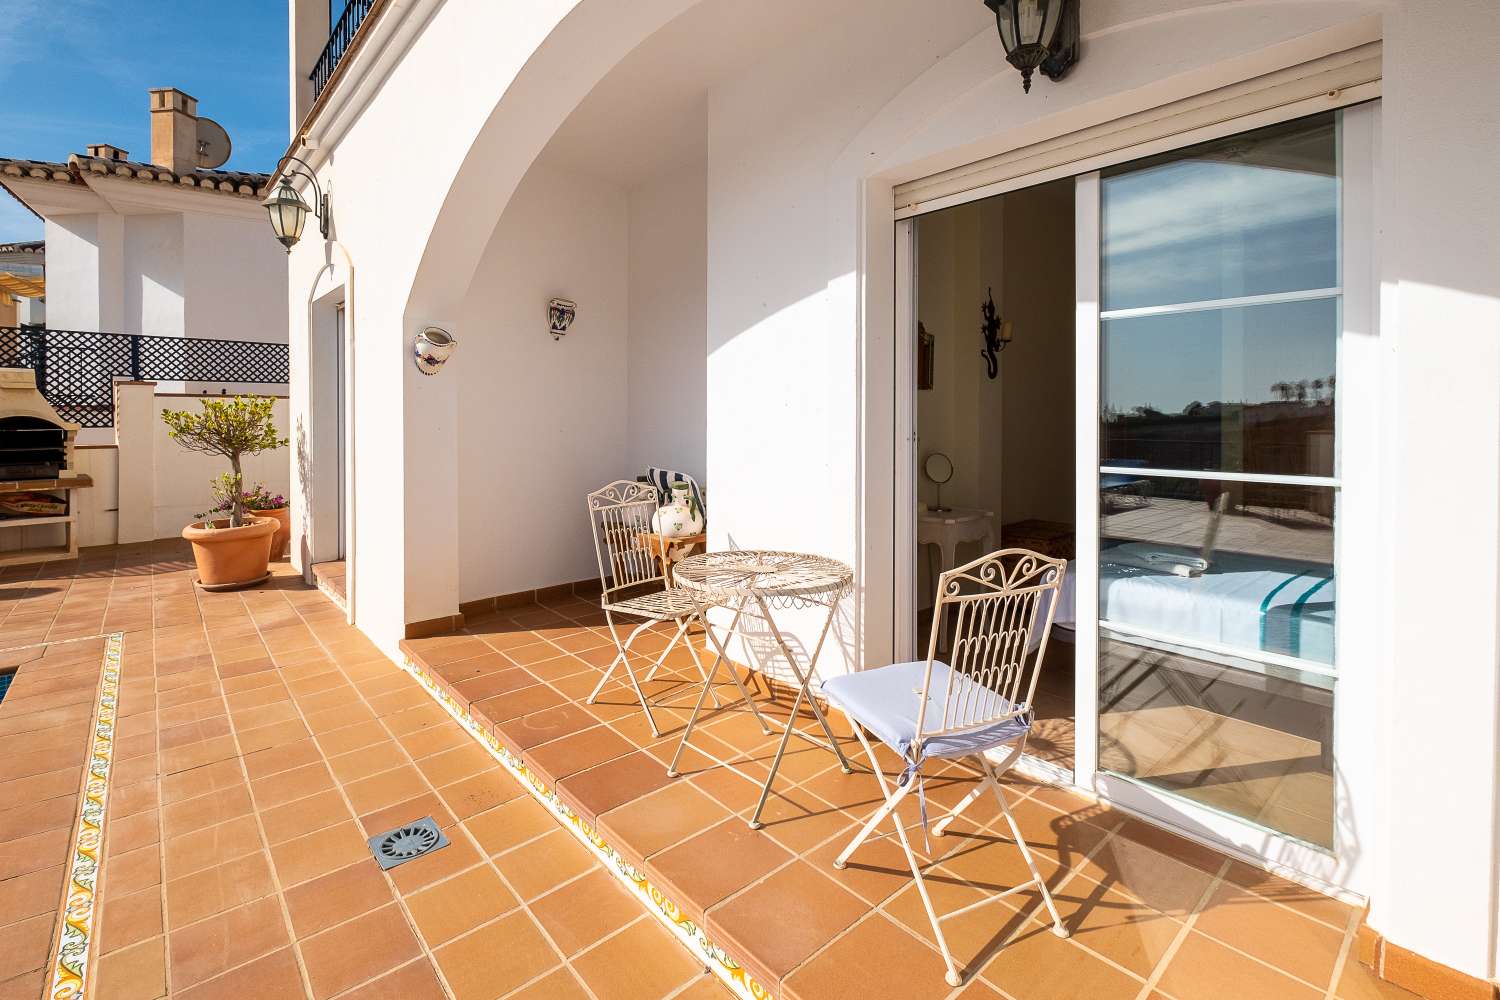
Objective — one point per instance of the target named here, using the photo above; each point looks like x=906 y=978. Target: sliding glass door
x=1220 y=311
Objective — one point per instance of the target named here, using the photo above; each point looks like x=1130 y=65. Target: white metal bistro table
x=752 y=583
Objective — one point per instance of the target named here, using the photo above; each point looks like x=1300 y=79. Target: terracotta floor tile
x=1114 y=925
x=304 y=816
x=59 y=811
x=656 y=821
x=560 y=984
x=135 y=973
x=1272 y=933
x=521 y=819
x=29 y=854
x=219 y=888
x=1203 y=969
x=211 y=947
x=271 y=977
x=704 y=870
x=515 y=704
x=544 y=863
x=456 y=764
x=432 y=740
x=224 y=775
x=875 y=961
x=36 y=892
x=776 y=924
x=25 y=945
x=288 y=786
x=460 y=904
x=368 y=761
x=352 y=738
x=480 y=792
x=541 y=727
x=413 y=981
x=205 y=810
x=130 y=919
x=386 y=789
x=641 y=962
x=583 y=911
x=211 y=845
x=602 y=788
x=1357 y=982
x=338 y=896
x=128 y=873
x=497 y=958
x=361 y=949
x=319 y=853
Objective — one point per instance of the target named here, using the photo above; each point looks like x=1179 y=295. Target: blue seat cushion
x=885 y=701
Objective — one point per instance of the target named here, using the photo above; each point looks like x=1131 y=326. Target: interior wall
x=1037 y=368
x=668 y=265
x=541 y=422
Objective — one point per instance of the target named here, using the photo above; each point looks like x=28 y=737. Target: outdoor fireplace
x=37 y=472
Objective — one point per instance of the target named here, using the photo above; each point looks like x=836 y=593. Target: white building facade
x=159 y=247
x=734 y=198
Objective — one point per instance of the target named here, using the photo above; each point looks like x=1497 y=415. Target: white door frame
x=1356 y=752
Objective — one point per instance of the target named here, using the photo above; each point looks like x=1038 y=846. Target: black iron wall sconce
x=1038 y=34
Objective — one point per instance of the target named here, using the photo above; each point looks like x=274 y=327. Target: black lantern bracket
x=292 y=166
x=1053 y=50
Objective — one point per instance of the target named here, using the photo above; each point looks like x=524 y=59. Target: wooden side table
x=677 y=549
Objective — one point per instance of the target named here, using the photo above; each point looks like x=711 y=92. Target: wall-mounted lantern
x=997 y=335
x=286 y=208
x=1038 y=34
x=432 y=349
x=560 y=316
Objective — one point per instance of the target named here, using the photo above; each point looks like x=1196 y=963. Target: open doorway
x=994 y=407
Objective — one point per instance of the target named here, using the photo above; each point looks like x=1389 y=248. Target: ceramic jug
x=679 y=518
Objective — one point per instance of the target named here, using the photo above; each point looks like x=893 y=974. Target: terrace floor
x=260 y=740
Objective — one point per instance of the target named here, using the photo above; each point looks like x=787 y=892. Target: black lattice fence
x=75 y=370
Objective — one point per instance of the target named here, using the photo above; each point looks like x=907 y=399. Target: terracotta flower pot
x=283 y=516
x=231 y=557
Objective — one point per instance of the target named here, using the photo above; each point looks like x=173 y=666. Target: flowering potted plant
x=262 y=503
x=231 y=551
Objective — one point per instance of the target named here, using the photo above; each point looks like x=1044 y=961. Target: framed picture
x=926 y=357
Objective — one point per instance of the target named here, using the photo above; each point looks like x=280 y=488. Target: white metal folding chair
x=633 y=574
x=931 y=710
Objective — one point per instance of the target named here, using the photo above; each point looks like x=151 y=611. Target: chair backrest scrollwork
x=620 y=519
x=1003 y=605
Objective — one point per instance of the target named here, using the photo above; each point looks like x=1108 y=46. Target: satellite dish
x=213 y=144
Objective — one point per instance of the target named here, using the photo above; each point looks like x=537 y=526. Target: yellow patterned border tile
x=75 y=935
x=690 y=934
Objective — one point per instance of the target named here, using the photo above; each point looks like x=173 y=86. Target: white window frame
x=1361 y=594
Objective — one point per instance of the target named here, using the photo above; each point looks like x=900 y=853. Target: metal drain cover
x=407 y=842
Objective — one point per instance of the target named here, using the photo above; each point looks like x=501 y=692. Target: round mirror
x=938 y=468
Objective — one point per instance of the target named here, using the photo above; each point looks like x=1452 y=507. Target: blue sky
x=77 y=72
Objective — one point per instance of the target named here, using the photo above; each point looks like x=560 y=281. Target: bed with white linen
x=1244 y=602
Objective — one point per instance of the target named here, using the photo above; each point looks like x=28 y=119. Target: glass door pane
x=1219 y=329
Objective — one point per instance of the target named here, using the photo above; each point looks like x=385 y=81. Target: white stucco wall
x=233 y=274
x=541 y=422
x=668 y=259
x=73 y=278
x=799 y=328
x=155 y=279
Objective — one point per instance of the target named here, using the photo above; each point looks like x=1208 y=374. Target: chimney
x=174 y=130
x=105 y=151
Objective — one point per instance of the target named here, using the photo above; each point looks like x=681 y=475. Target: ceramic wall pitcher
x=679 y=518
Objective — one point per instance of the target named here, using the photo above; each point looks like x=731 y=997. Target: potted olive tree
x=231 y=551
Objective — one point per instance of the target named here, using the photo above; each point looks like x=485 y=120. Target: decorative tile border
x=690 y=934
x=75 y=935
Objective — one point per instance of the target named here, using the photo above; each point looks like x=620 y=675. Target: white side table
x=949 y=528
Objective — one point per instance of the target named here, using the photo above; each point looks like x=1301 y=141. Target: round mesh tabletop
x=759 y=573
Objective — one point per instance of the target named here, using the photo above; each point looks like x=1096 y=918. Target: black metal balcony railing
x=75 y=370
x=338 y=43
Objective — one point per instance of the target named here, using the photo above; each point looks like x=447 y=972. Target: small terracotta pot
x=283 y=516
x=229 y=557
